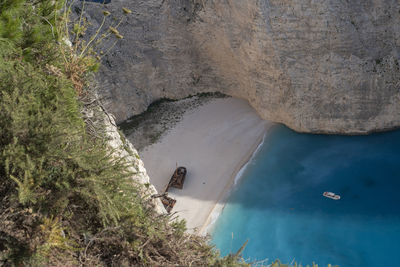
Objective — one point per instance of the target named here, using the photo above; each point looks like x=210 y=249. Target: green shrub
x=65 y=199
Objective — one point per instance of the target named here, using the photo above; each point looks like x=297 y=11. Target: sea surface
x=278 y=206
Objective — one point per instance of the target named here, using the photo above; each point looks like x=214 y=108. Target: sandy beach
x=213 y=141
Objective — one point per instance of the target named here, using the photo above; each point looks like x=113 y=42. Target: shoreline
x=236 y=175
x=214 y=141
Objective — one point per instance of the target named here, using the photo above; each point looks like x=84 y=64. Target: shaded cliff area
x=317 y=66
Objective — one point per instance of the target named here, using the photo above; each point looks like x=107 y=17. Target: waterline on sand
x=244 y=167
x=219 y=206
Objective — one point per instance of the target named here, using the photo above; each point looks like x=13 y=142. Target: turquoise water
x=278 y=204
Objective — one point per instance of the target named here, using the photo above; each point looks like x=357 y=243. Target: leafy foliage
x=65 y=199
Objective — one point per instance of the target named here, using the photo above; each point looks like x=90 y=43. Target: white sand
x=213 y=142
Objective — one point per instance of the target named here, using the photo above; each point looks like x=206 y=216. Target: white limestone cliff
x=323 y=66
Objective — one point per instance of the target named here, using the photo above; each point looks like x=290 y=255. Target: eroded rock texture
x=327 y=66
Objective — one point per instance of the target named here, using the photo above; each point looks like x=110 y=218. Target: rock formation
x=122 y=148
x=328 y=66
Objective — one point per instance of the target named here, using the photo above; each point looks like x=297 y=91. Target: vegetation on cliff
x=65 y=200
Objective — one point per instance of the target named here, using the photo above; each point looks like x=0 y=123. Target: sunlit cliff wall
x=327 y=66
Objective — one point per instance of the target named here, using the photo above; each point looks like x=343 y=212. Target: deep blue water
x=278 y=204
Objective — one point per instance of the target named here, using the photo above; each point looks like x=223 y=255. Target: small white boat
x=331 y=195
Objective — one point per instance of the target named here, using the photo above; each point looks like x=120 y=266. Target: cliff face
x=124 y=149
x=317 y=66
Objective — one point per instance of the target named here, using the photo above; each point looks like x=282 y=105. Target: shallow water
x=278 y=204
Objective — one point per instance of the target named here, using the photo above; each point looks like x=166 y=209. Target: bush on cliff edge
x=64 y=199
